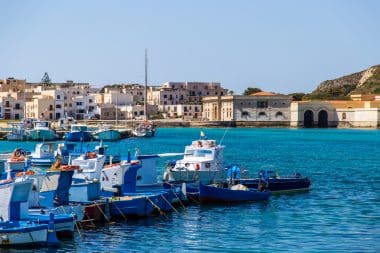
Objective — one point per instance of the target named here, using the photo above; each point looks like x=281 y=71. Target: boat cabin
x=41 y=124
x=78 y=128
x=44 y=150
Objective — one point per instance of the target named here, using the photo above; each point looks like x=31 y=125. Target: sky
x=281 y=46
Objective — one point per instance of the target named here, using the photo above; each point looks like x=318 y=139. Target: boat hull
x=26 y=234
x=79 y=136
x=211 y=194
x=41 y=135
x=280 y=185
x=108 y=135
x=63 y=223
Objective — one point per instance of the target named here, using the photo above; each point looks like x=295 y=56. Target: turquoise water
x=341 y=213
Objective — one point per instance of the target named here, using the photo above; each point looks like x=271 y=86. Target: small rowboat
x=230 y=194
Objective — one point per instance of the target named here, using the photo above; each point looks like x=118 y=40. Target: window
x=244 y=114
x=58 y=96
x=17 y=106
x=58 y=106
x=7 y=104
x=279 y=114
x=262 y=104
x=165 y=96
x=262 y=115
x=344 y=116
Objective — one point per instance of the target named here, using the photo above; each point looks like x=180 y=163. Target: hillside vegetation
x=363 y=82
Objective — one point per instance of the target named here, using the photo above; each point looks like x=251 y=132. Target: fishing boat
x=203 y=161
x=50 y=194
x=278 y=184
x=78 y=133
x=18 y=132
x=41 y=132
x=17 y=163
x=106 y=133
x=146 y=129
x=15 y=227
x=225 y=193
x=118 y=185
x=43 y=155
x=146 y=180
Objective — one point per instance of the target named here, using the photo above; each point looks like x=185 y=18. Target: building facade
x=261 y=106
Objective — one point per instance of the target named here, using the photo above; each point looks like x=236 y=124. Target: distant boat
x=66 y=122
x=224 y=193
x=106 y=133
x=43 y=154
x=41 y=132
x=78 y=133
x=18 y=132
x=146 y=129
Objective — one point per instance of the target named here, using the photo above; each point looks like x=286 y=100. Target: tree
x=298 y=96
x=46 y=79
x=251 y=90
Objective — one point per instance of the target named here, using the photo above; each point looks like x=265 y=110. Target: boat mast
x=146 y=86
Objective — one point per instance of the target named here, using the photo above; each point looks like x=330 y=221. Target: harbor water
x=341 y=212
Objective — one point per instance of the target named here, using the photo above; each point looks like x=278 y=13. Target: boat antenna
x=146 y=85
x=224 y=134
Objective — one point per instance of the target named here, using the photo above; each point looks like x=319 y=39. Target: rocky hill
x=363 y=82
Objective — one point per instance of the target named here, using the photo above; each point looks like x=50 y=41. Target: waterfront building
x=175 y=99
x=11 y=84
x=186 y=111
x=261 y=106
x=336 y=113
x=85 y=107
x=137 y=111
x=12 y=105
x=49 y=105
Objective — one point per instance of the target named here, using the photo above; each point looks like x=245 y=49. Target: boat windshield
x=198 y=153
x=41 y=124
x=78 y=128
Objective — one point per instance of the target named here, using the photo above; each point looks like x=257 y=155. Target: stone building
x=261 y=106
x=336 y=114
x=183 y=99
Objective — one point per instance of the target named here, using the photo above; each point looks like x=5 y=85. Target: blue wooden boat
x=18 y=132
x=220 y=193
x=118 y=183
x=78 y=133
x=43 y=155
x=41 y=132
x=14 y=231
x=52 y=196
x=106 y=133
x=273 y=182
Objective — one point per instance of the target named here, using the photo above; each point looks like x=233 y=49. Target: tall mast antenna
x=146 y=86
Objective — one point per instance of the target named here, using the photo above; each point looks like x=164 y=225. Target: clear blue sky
x=282 y=46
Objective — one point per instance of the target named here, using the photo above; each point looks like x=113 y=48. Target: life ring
x=197 y=166
x=17 y=153
x=70 y=167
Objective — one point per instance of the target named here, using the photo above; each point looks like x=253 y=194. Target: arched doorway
x=323 y=120
x=308 y=119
